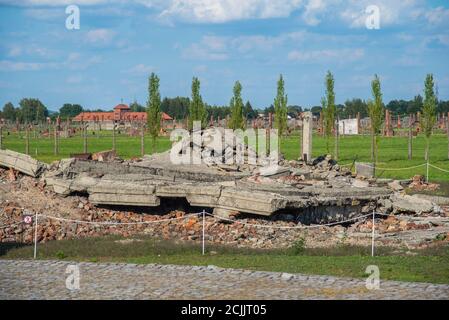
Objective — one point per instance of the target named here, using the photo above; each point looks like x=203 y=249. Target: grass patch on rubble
x=425 y=265
x=393 y=151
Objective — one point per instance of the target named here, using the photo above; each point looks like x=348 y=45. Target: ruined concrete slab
x=257 y=202
x=22 y=163
x=123 y=193
x=411 y=204
x=364 y=169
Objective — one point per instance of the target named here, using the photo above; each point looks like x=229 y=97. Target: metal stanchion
x=372 y=238
x=35 y=236
x=204 y=224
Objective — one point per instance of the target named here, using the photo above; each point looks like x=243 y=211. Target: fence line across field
x=203 y=213
x=438 y=168
x=287 y=227
x=392 y=169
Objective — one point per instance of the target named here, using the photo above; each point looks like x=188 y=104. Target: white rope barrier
x=288 y=227
x=438 y=168
x=392 y=169
x=116 y=223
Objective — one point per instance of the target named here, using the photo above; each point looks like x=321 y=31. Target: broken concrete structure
x=314 y=191
x=21 y=162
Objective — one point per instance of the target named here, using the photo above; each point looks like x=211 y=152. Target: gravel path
x=27 y=279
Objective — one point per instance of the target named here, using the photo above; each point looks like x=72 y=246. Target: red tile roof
x=121 y=106
x=109 y=116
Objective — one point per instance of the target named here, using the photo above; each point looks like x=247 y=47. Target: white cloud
x=140 y=69
x=100 y=36
x=16 y=50
x=312 y=9
x=219 y=11
x=391 y=11
x=437 y=16
x=209 y=48
x=74 y=79
x=7 y=65
x=54 y=3
x=339 y=55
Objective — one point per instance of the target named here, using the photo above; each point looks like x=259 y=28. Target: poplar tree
x=280 y=107
x=197 y=110
x=376 y=114
x=154 y=109
x=236 y=107
x=329 y=108
x=428 y=117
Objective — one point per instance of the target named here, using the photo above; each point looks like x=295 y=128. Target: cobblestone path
x=29 y=279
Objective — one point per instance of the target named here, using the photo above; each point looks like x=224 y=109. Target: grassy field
x=392 y=151
x=429 y=265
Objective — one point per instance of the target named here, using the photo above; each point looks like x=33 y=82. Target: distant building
x=121 y=115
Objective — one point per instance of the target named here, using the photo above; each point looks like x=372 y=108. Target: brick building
x=121 y=115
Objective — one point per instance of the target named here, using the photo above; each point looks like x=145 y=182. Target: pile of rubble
x=286 y=193
x=25 y=196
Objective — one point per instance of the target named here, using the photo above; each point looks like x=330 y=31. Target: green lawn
x=428 y=265
x=392 y=151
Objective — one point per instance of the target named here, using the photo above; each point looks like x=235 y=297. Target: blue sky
x=120 y=43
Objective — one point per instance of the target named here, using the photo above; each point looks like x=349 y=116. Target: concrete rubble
x=21 y=162
x=27 y=195
x=317 y=191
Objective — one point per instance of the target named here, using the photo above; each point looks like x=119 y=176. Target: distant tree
x=280 y=107
x=69 y=110
x=197 y=110
x=443 y=106
x=316 y=110
x=428 y=117
x=217 y=111
x=9 y=112
x=376 y=114
x=136 y=107
x=236 y=107
x=154 y=109
x=249 y=112
x=267 y=110
x=416 y=105
x=32 y=110
x=354 y=106
x=294 y=111
x=329 y=109
x=176 y=107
